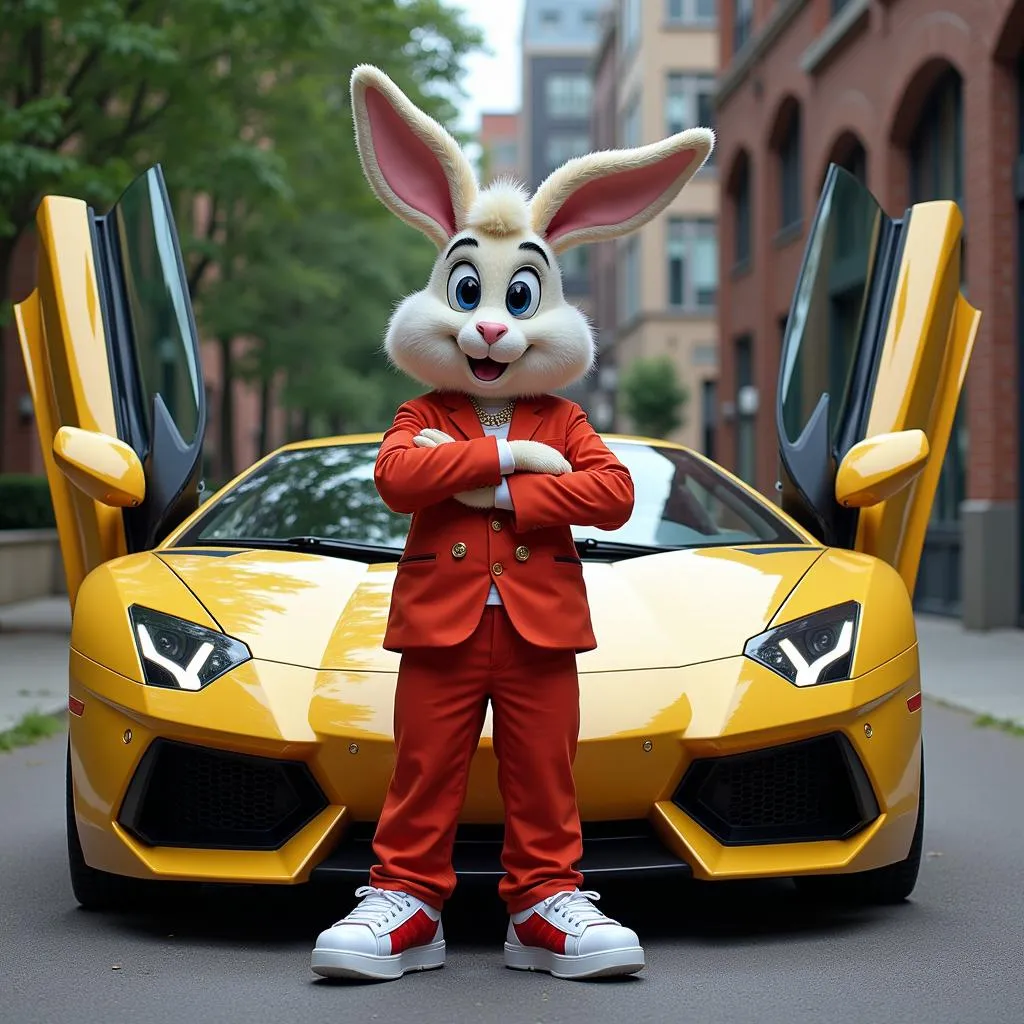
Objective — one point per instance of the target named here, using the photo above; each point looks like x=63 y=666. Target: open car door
x=877 y=345
x=112 y=357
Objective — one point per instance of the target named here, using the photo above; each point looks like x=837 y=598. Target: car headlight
x=813 y=650
x=182 y=655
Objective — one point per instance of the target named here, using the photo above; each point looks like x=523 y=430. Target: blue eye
x=464 y=287
x=523 y=295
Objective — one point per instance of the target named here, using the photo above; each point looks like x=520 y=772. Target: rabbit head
x=493 y=321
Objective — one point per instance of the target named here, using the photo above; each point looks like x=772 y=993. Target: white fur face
x=492 y=321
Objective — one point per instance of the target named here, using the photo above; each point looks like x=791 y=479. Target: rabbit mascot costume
x=489 y=602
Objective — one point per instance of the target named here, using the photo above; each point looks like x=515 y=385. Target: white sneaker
x=567 y=936
x=387 y=934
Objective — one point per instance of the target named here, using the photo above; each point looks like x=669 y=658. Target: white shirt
x=502 y=495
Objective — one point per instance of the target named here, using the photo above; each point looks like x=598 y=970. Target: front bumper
x=662 y=786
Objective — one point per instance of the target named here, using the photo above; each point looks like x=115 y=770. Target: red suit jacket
x=454 y=552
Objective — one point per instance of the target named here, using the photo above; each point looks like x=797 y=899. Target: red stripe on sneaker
x=419 y=930
x=535 y=931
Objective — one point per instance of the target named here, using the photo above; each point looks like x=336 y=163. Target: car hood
x=657 y=611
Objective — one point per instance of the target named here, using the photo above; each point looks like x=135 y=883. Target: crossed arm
x=419 y=466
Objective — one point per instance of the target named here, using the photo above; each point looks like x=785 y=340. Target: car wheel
x=879 y=887
x=94 y=890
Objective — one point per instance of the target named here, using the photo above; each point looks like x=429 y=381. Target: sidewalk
x=33 y=658
x=982 y=673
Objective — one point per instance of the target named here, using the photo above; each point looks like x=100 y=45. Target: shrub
x=654 y=397
x=25 y=503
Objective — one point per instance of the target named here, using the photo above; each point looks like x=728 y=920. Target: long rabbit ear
x=604 y=195
x=415 y=168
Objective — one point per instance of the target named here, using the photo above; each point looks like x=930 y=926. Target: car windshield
x=328 y=493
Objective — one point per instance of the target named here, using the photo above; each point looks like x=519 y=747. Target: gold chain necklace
x=493 y=419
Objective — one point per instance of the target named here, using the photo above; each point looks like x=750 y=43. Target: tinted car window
x=158 y=304
x=824 y=328
x=681 y=501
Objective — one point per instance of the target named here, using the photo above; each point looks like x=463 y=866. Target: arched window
x=936 y=171
x=790 y=177
x=850 y=154
x=936 y=146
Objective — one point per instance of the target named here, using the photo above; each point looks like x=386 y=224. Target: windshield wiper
x=311 y=544
x=592 y=545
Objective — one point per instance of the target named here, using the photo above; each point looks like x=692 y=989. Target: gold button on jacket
x=459 y=550
x=497 y=568
x=522 y=553
x=496 y=525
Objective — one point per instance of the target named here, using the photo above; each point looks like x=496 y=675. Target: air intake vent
x=184 y=795
x=800 y=792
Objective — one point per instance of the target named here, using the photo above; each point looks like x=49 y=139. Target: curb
x=954 y=704
x=51 y=709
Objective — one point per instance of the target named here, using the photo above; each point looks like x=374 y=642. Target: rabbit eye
x=464 y=287
x=523 y=295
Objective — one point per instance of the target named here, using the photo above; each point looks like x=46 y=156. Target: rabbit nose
x=491 y=332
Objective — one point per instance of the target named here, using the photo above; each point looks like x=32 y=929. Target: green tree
x=246 y=104
x=653 y=396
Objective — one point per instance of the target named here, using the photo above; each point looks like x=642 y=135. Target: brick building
x=921 y=99
x=559 y=38
x=655 y=291
x=19 y=443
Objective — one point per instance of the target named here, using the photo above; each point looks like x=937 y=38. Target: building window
x=562 y=148
x=741 y=204
x=742 y=23
x=575 y=263
x=706 y=115
x=629 y=20
x=746 y=452
x=692 y=264
x=709 y=415
x=632 y=133
x=936 y=148
x=688 y=103
x=551 y=17
x=705 y=355
x=789 y=173
x=629 y=300
x=568 y=96
x=691 y=12
x=856 y=162
x=937 y=172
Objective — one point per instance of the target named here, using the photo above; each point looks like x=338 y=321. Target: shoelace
x=576 y=907
x=376 y=906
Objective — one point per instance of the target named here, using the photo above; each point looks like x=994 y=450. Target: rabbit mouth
x=487 y=370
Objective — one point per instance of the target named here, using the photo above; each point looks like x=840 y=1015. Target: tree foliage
x=653 y=396
x=246 y=105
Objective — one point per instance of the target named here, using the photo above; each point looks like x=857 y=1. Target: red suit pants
x=440 y=702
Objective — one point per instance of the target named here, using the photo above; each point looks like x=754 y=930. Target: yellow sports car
x=753 y=708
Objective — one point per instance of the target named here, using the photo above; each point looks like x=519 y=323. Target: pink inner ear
x=619 y=197
x=408 y=164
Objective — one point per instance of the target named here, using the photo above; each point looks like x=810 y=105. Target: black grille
x=183 y=795
x=611 y=849
x=800 y=792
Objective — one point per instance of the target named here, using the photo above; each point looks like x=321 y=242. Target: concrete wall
x=30 y=565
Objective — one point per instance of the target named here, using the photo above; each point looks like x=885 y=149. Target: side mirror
x=105 y=468
x=879 y=467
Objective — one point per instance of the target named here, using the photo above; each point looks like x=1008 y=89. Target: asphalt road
x=728 y=953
